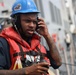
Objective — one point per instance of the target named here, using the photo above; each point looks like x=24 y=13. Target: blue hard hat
x=24 y=6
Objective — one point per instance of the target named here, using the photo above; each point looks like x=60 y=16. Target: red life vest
x=15 y=40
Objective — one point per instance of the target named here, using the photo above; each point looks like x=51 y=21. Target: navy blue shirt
x=5 y=61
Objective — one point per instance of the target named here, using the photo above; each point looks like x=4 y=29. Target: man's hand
x=37 y=69
x=42 y=28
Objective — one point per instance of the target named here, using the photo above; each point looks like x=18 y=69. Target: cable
x=69 y=64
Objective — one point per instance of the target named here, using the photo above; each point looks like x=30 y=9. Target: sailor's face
x=28 y=23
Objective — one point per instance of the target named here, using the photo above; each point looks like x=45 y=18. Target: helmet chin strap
x=17 y=25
